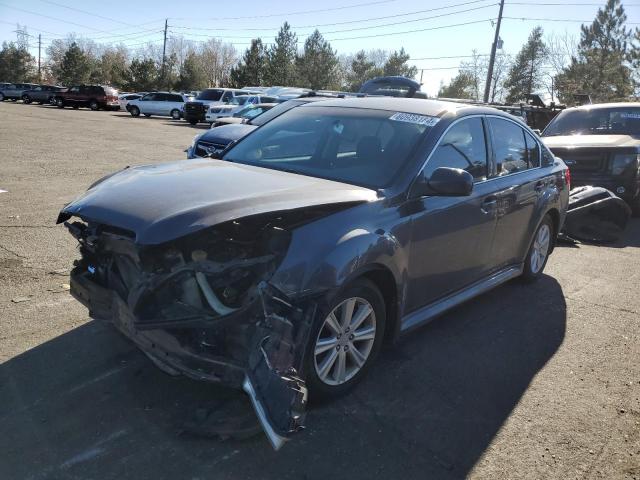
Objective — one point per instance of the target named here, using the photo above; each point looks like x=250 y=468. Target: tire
x=635 y=206
x=1 y=97
x=147 y=115
x=193 y=122
x=94 y=105
x=175 y=114
x=76 y=107
x=26 y=99
x=59 y=102
x=14 y=99
x=539 y=250
x=52 y=100
x=322 y=362
x=134 y=111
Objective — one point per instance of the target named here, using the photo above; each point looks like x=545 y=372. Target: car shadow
x=86 y=404
x=629 y=238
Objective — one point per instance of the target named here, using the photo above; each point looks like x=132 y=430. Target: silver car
x=14 y=91
x=165 y=104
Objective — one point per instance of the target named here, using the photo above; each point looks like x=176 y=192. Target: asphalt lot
x=529 y=381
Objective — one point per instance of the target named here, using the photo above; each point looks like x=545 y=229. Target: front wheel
x=193 y=122
x=345 y=340
x=26 y=99
x=539 y=250
x=147 y=115
x=175 y=114
x=59 y=103
x=1 y=97
x=93 y=105
x=134 y=111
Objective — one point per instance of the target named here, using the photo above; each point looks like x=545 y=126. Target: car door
x=147 y=104
x=73 y=95
x=451 y=237
x=520 y=182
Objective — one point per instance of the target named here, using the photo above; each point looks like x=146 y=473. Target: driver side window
x=464 y=147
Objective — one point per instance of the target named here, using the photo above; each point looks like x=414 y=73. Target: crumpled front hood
x=567 y=141
x=166 y=201
x=226 y=134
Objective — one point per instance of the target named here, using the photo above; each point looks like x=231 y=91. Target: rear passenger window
x=464 y=147
x=533 y=151
x=509 y=147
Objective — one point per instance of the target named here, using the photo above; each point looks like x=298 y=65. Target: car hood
x=596 y=141
x=230 y=120
x=159 y=203
x=226 y=134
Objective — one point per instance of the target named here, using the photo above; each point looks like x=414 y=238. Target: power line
x=386 y=17
x=87 y=13
x=567 y=20
x=52 y=18
x=282 y=14
x=441 y=27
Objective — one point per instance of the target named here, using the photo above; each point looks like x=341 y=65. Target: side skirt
x=429 y=312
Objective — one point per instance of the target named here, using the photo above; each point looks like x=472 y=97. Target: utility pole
x=39 y=51
x=492 y=59
x=164 y=50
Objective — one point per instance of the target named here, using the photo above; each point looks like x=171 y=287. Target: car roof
x=596 y=106
x=418 y=106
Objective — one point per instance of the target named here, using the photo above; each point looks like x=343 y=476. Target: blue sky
x=445 y=30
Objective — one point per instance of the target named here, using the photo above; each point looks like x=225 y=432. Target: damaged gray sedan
x=282 y=267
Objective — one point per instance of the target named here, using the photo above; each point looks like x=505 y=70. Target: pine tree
x=601 y=67
x=76 y=66
x=142 y=75
x=281 y=58
x=397 y=64
x=362 y=69
x=16 y=63
x=318 y=64
x=192 y=75
x=461 y=86
x=526 y=74
x=251 y=69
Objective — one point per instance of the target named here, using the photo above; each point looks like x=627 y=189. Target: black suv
x=601 y=146
x=42 y=94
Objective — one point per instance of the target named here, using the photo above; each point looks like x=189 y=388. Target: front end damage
x=203 y=306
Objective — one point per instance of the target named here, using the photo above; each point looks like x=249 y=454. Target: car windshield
x=359 y=146
x=274 y=112
x=239 y=100
x=213 y=94
x=596 y=121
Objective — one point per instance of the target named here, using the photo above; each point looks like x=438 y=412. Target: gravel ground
x=537 y=382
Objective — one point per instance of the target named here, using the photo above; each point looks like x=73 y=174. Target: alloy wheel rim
x=345 y=341
x=540 y=248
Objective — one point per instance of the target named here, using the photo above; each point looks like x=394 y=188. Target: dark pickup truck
x=93 y=96
x=601 y=146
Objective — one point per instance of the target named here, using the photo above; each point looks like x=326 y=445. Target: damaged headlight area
x=202 y=306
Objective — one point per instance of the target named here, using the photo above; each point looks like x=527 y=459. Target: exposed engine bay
x=202 y=306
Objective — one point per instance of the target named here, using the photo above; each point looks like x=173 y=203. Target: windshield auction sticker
x=413 y=118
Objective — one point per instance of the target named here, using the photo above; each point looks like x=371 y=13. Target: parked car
x=42 y=94
x=165 y=104
x=601 y=145
x=217 y=139
x=282 y=267
x=214 y=112
x=95 y=97
x=123 y=99
x=195 y=111
x=245 y=114
x=14 y=91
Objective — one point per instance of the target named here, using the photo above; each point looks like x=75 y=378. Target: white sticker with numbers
x=414 y=118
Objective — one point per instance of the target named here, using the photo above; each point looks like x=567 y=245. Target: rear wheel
x=76 y=107
x=26 y=99
x=345 y=340
x=59 y=102
x=175 y=114
x=93 y=105
x=193 y=122
x=1 y=97
x=539 y=250
x=134 y=111
x=147 y=115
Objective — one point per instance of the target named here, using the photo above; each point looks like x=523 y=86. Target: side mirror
x=444 y=182
x=537 y=131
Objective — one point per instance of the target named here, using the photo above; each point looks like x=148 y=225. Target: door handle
x=489 y=204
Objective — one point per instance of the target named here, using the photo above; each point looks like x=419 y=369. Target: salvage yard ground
x=529 y=381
